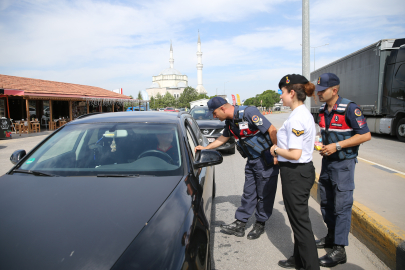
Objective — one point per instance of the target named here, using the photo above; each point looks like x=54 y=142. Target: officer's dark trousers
x=336 y=185
x=297 y=180
x=259 y=191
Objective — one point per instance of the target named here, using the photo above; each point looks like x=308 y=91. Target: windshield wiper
x=36 y=173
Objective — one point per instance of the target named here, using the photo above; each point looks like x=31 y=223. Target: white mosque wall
x=176 y=92
x=170 y=80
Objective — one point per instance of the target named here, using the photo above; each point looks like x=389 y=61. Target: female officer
x=295 y=141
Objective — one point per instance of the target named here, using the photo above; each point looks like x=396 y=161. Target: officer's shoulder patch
x=357 y=112
x=297 y=132
x=255 y=119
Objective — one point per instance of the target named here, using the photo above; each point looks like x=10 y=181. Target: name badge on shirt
x=243 y=125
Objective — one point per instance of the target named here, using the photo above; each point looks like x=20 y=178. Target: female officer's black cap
x=292 y=79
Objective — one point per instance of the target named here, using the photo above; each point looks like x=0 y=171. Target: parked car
x=32 y=111
x=170 y=109
x=161 y=109
x=98 y=193
x=212 y=128
x=277 y=109
x=46 y=111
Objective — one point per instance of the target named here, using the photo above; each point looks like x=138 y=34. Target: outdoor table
x=35 y=126
x=62 y=122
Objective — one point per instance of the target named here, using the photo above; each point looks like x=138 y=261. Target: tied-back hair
x=302 y=90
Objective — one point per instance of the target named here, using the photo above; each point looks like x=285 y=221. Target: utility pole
x=305 y=46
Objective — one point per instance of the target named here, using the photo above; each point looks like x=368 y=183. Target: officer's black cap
x=214 y=103
x=326 y=80
x=291 y=79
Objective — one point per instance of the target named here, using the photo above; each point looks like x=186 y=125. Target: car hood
x=74 y=222
x=210 y=124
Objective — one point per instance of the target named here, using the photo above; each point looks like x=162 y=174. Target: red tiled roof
x=43 y=87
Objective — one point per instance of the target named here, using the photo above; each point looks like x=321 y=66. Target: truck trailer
x=374 y=78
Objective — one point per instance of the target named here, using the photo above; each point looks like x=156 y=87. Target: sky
x=248 y=46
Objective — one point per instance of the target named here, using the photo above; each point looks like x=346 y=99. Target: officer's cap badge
x=319 y=80
x=287 y=81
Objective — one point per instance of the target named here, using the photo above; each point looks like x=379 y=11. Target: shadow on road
x=3 y=146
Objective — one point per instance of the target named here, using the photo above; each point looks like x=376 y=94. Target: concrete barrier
x=383 y=238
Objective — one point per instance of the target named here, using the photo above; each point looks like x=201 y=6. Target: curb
x=383 y=238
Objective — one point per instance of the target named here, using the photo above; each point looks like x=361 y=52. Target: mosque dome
x=155 y=85
x=170 y=71
x=181 y=84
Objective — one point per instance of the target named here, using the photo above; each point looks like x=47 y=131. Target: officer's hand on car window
x=199 y=147
x=328 y=150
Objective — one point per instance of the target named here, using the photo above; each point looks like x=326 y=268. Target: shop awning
x=11 y=92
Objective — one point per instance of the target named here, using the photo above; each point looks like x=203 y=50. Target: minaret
x=200 y=88
x=171 y=60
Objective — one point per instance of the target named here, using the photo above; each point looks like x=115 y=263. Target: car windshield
x=170 y=108
x=109 y=148
x=200 y=114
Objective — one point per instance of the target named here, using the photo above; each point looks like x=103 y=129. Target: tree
x=202 y=96
x=268 y=98
x=189 y=94
x=168 y=100
x=140 y=96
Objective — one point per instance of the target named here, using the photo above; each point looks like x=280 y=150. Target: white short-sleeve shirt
x=298 y=132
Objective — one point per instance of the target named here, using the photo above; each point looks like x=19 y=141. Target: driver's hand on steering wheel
x=199 y=147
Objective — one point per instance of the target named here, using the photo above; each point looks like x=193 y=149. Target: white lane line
x=385 y=167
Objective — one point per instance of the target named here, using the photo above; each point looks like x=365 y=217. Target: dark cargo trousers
x=259 y=191
x=336 y=185
x=297 y=180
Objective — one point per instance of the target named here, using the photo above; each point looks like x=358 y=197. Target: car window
x=110 y=148
x=199 y=113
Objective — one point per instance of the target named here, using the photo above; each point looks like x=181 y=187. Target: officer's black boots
x=236 y=228
x=326 y=242
x=334 y=257
x=258 y=229
x=290 y=263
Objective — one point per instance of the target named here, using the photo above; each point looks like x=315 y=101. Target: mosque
x=172 y=81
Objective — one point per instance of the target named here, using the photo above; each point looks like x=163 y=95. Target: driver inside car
x=165 y=144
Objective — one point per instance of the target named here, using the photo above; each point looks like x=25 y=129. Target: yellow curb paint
x=377 y=233
x=400 y=175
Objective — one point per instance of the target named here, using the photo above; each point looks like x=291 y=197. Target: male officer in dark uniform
x=343 y=129
x=254 y=135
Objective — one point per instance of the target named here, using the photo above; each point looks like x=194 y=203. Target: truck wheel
x=401 y=130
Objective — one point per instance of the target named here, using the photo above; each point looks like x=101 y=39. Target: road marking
x=402 y=174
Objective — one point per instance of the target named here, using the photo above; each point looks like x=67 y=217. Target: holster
x=241 y=152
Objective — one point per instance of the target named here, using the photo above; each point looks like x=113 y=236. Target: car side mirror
x=206 y=158
x=17 y=156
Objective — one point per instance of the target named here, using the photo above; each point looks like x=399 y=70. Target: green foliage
x=139 y=96
x=269 y=98
x=189 y=94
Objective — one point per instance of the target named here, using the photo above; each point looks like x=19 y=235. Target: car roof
x=125 y=117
